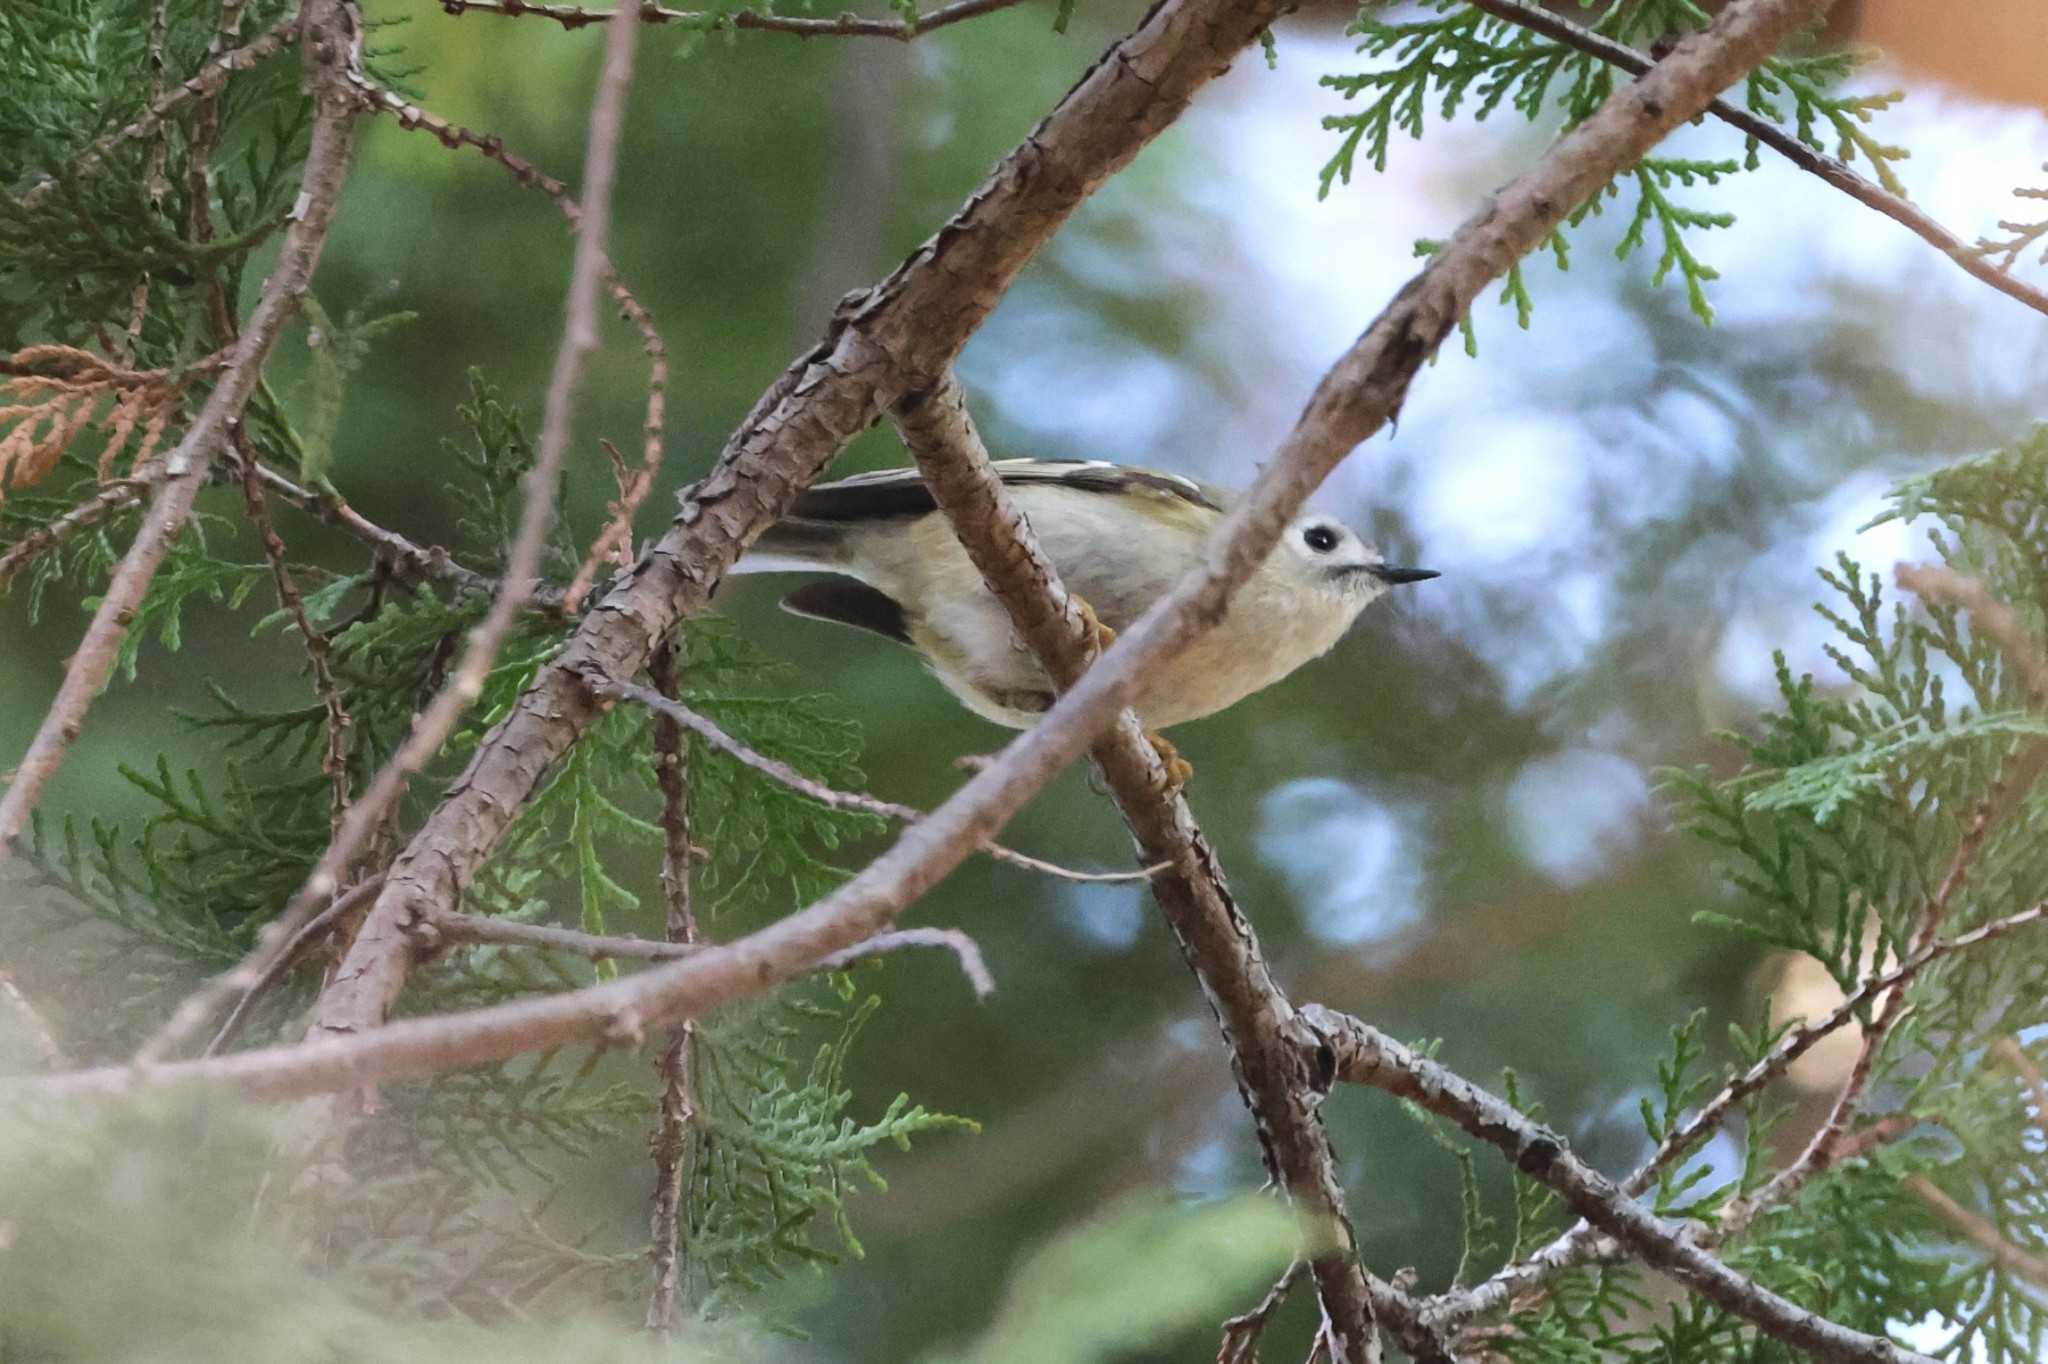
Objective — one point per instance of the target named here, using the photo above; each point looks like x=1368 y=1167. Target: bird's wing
x=890 y=493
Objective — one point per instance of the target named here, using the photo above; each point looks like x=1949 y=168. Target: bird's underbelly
x=980 y=660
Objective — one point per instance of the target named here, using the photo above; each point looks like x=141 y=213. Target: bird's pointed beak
x=1393 y=576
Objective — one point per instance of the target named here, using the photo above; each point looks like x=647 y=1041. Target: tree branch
x=1835 y=173
x=338 y=1005
x=880 y=341
x=703 y=728
x=115 y=497
x=1358 y=394
x=672 y=1146
x=845 y=26
x=480 y=928
x=1357 y=1053
x=334 y=762
x=1583 y=1243
x=328 y=40
x=409 y=559
x=1218 y=942
x=209 y=80
x=634 y=489
x=1240 y=1344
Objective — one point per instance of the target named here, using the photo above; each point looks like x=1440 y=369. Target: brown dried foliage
x=51 y=395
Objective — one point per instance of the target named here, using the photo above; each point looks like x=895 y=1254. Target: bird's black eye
x=1321 y=539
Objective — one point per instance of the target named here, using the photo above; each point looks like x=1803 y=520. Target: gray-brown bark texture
x=883 y=342
x=1257 y=1021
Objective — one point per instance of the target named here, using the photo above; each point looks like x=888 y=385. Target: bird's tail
x=795 y=545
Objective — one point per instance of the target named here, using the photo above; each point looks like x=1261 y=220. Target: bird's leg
x=1178 y=769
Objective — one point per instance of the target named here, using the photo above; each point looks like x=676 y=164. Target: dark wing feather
x=901 y=492
x=846 y=602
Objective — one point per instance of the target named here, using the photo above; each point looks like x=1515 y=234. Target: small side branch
x=408 y=559
x=1584 y=1244
x=482 y=929
x=782 y=772
x=334 y=762
x=1241 y=1334
x=573 y=17
x=1971 y=259
x=674 y=1145
x=348 y=1002
x=1358 y=1053
x=1978 y=1231
x=615 y=538
x=329 y=42
x=1218 y=942
x=108 y=501
x=208 y=81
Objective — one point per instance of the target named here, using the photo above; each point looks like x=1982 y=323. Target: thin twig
x=1831 y=171
x=201 y=143
x=1240 y=1344
x=536 y=515
x=776 y=770
x=328 y=42
x=289 y=955
x=1358 y=1053
x=845 y=26
x=117 y=496
x=910 y=323
x=210 y=79
x=1979 y=1231
x=409 y=560
x=674 y=1147
x=47 y=1047
x=484 y=929
x=334 y=762
x=618 y=528
x=1581 y=1245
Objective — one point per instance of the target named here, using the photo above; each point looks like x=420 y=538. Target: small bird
x=1119 y=536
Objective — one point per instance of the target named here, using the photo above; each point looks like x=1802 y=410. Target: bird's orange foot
x=1178 y=769
x=1101 y=634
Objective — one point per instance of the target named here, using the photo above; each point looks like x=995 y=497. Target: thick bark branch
x=340 y=1004
x=1377 y=371
x=1220 y=946
x=1357 y=1053
x=882 y=343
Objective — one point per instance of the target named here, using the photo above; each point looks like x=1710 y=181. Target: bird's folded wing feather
x=889 y=493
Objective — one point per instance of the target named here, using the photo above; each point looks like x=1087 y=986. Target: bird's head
x=1326 y=556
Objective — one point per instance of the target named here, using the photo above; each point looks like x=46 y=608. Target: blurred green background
x=1450 y=825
